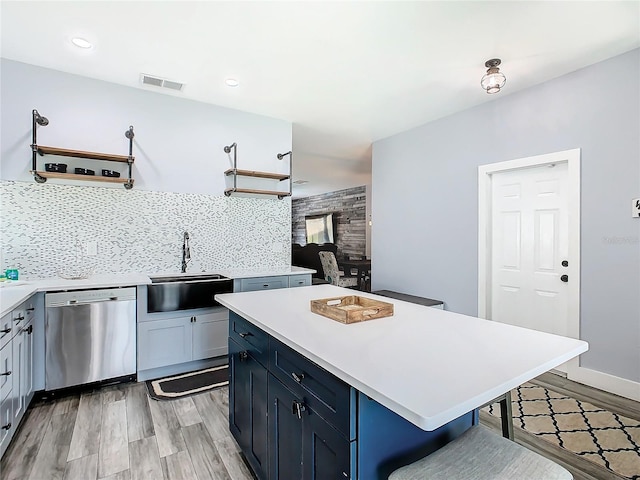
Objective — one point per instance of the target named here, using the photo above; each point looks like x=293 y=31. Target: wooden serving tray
x=351 y=309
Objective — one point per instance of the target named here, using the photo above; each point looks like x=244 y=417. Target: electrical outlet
x=635 y=207
x=91 y=248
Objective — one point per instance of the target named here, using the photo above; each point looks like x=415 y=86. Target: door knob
x=565 y=263
x=564 y=278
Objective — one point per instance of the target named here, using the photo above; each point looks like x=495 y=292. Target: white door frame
x=572 y=158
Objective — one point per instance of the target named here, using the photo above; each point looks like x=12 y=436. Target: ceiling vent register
x=161 y=82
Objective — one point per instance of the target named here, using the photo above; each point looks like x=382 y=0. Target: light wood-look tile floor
x=119 y=433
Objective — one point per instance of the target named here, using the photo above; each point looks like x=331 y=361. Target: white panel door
x=529 y=244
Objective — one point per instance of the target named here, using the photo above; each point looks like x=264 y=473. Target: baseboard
x=192 y=366
x=604 y=381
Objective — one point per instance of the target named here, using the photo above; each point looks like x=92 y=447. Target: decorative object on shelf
x=494 y=80
x=235 y=172
x=56 y=167
x=351 y=309
x=59 y=170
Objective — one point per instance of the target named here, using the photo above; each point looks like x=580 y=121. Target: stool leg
x=506 y=416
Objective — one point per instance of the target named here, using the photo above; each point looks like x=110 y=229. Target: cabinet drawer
x=18 y=318
x=299 y=281
x=6 y=327
x=29 y=309
x=6 y=371
x=263 y=283
x=249 y=337
x=324 y=393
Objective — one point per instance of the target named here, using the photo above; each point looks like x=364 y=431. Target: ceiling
x=344 y=73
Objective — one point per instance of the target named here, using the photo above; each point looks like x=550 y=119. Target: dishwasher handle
x=73 y=303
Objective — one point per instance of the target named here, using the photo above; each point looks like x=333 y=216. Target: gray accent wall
x=349 y=208
x=425 y=198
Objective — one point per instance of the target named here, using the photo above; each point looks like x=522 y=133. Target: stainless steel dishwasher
x=90 y=336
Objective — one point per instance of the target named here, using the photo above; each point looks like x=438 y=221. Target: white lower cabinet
x=170 y=341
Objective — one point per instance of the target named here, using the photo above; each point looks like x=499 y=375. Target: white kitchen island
x=430 y=367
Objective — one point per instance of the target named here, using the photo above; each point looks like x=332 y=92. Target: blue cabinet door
x=325 y=451
x=248 y=407
x=285 y=433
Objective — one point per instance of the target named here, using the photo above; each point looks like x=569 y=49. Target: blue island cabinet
x=294 y=420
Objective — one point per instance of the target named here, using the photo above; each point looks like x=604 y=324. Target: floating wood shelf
x=65 y=152
x=229 y=191
x=252 y=173
x=91 y=178
x=235 y=172
x=41 y=177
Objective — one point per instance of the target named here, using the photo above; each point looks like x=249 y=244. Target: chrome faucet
x=186 y=252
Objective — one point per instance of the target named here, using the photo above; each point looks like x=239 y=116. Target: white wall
x=425 y=198
x=178 y=172
x=178 y=143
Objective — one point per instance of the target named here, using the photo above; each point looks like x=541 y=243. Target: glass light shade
x=492 y=82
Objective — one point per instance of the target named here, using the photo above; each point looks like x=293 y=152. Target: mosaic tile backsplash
x=47 y=228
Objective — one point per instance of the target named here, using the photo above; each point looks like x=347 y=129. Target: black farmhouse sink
x=185 y=292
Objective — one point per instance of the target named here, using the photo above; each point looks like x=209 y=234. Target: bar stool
x=479 y=454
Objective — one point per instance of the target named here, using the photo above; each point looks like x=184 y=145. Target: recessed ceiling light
x=232 y=82
x=81 y=42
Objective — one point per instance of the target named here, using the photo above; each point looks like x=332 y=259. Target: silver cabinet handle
x=297 y=408
x=298 y=377
x=246 y=334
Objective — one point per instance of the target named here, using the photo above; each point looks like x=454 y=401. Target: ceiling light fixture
x=493 y=81
x=232 y=82
x=81 y=42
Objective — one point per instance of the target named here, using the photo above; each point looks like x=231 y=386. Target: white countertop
x=11 y=295
x=238 y=273
x=14 y=293
x=428 y=365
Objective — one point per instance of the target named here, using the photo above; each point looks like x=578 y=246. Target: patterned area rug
x=603 y=437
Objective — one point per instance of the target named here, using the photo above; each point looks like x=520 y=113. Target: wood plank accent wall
x=349 y=211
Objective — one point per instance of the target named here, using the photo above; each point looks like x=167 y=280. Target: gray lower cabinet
x=16 y=368
x=164 y=342
x=300 y=280
x=170 y=341
x=269 y=283
x=260 y=283
x=23 y=367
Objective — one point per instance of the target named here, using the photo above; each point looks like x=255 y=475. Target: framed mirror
x=320 y=228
